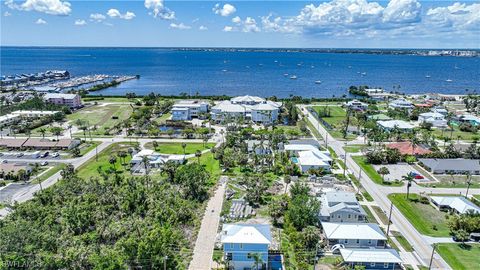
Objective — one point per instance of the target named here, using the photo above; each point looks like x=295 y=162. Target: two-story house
x=354 y=235
x=341 y=206
x=245 y=246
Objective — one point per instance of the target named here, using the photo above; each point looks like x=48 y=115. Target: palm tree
x=409 y=179
x=383 y=171
x=112 y=161
x=198 y=154
x=70 y=130
x=257 y=257
x=287 y=180
x=21 y=174
x=415 y=142
x=42 y=131
x=184 y=146
x=146 y=163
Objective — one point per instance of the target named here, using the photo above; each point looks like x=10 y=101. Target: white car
x=45 y=163
x=56 y=154
x=20 y=155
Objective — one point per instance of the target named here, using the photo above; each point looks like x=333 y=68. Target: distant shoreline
x=464 y=52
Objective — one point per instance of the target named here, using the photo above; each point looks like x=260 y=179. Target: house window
x=349 y=216
x=346 y=241
x=339 y=216
x=241 y=246
x=231 y=245
x=358 y=241
x=249 y=255
x=369 y=241
x=372 y=264
x=385 y=265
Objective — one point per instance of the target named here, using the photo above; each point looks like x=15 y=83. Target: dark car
x=45 y=154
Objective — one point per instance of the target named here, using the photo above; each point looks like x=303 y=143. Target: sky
x=297 y=24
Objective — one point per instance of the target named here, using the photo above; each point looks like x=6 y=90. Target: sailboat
x=449 y=80
x=318 y=82
x=427 y=76
x=293 y=77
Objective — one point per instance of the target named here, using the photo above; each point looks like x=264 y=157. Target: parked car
x=4 y=161
x=20 y=154
x=56 y=154
x=45 y=154
x=416 y=175
x=44 y=163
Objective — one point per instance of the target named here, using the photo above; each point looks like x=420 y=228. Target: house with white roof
x=307 y=157
x=188 y=109
x=400 y=103
x=436 y=119
x=371 y=258
x=456 y=204
x=341 y=206
x=252 y=108
x=241 y=241
x=470 y=119
x=356 y=105
x=155 y=160
x=440 y=110
x=73 y=101
x=389 y=125
x=354 y=235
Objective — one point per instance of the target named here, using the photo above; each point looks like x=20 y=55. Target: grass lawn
x=211 y=165
x=403 y=242
x=313 y=129
x=365 y=194
x=335 y=120
x=101 y=116
x=163 y=118
x=353 y=148
x=370 y=216
x=460 y=257
x=424 y=217
x=454 y=181
x=91 y=167
x=176 y=148
x=53 y=170
x=383 y=217
x=88 y=146
x=372 y=173
x=468 y=136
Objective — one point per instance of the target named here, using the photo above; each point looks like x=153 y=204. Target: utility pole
x=165 y=263
x=96 y=152
x=389 y=218
x=431 y=258
x=469 y=182
x=345 y=162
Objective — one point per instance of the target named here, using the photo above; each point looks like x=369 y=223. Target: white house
x=400 y=103
x=356 y=105
x=307 y=156
x=459 y=205
x=389 y=125
x=471 y=119
x=241 y=241
x=188 y=109
x=436 y=119
x=440 y=110
x=371 y=258
x=354 y=235
x=252 y=108
x=341 y=206
x=155 y=160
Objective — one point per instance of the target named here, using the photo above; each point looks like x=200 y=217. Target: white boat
x=312 y=66
x=427 y=76
x=318 y=82
x=293 y=77
x=448 y=80
x=364 y=73
x=285 y=74
x=224 y=70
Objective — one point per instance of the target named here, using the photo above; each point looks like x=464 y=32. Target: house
x=73 y=101
x=307 y=157
x=371 y=258
x=406 y=148
x=252 y=108
x=340 y=206
x=13 y=169
x=400 y=103
x=440 y=110
x=389 y=125
x=377 y=117
x=259 y=147
x=240 y=243
x=436 y=119
x=451 y=165
x=456 y=204
x=188 y=109
x=155 y=160
x=356 y=105
x=9 y=119
x=469 y=119
x=354 y=235
x=373 y=90
x=380 y=96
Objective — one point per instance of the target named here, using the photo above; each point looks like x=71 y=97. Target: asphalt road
x=422 y=246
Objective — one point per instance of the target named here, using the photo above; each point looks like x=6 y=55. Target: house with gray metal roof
x=456 y=204
x=354 y=235
x=451 y=165
x=340 y=206
x=372 y=258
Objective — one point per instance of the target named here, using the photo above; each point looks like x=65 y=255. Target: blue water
x=168 y=71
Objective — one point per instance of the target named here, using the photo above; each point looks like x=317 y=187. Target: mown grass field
x=460 y=257
x=176 y=148
x=424 y=217
x=101 y=116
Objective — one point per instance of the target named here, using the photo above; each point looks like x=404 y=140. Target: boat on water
x=318 y=82
x=285 y=74
x=427 y=76
x=349 y=66
x=312 y=66
x=364 y=73
x=293 y=77
x=449 y=80
x=224 y=70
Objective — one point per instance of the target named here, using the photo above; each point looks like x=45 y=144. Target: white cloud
x=41 y=21
x=225 y=11
x=114 y=13
x=402 y=11
x=7 y=14
x=97 y=17
x=457 y=16
x=247 y=25
x=236 y=19
x=159 y=9
x=53 y=7
x=227 y=29
x=180 y=26
x=80 y=22
x=202 y=28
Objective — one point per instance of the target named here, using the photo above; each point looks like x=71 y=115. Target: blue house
x=243 y=242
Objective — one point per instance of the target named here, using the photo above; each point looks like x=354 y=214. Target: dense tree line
x=108 y=222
